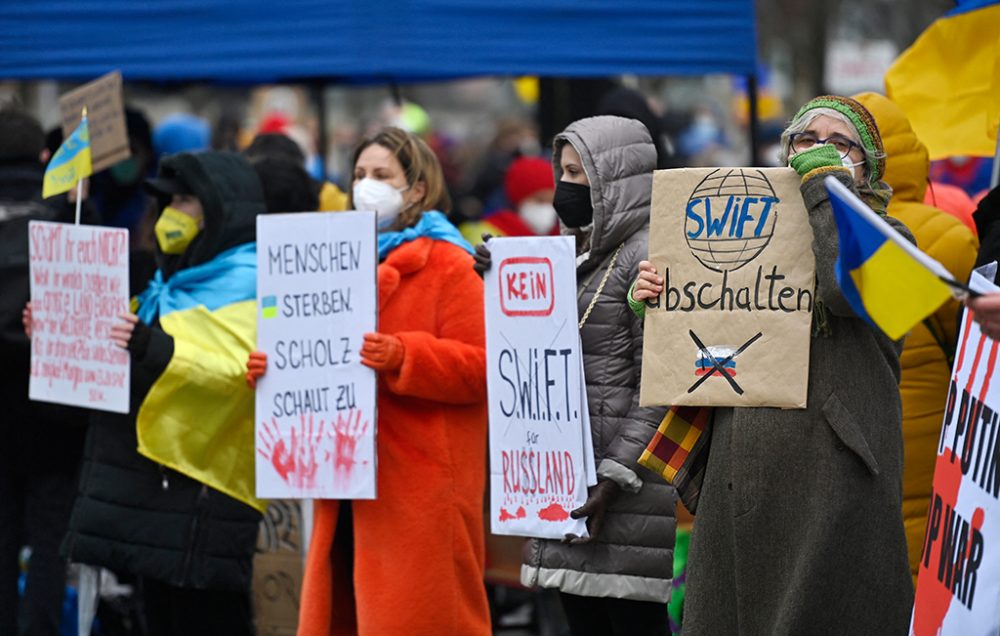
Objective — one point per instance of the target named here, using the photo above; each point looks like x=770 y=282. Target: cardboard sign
x=315 y=407
x=733 y=323
x=277 y=569
x=958 y=582
x=539 y=423
x=79 y=286
x=105 y=118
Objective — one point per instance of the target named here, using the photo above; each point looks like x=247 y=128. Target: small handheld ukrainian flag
x=885 y=278
x=71 y=163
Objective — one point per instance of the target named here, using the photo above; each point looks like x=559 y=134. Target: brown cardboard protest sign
x=105 y=118
x=733 y=323
x=278 y=569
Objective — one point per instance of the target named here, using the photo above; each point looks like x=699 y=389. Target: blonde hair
x=420 y=165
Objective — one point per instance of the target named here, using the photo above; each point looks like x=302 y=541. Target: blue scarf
x=228 y=278
x=432 y=224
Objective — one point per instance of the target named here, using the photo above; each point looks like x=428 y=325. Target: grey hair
x=802 y=124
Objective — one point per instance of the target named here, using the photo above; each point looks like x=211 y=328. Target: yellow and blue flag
x=948 y=81
x=70 y=164
x=885 y=278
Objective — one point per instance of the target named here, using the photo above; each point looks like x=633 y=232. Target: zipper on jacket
x=164 y=481
x=193 y=535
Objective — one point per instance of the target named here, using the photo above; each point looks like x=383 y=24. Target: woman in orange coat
x=411 y=561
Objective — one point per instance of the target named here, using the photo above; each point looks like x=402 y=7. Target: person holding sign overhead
x=411 y=561
x=617 y=580
x=166 y=490
x=799 y=515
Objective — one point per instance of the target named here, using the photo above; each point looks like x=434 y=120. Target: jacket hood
x=907 y=161
x=618 y=157
x=230 y=196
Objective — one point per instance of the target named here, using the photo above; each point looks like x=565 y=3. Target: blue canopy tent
x=260 y=41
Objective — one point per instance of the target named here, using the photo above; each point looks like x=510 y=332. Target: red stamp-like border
x=526 y=260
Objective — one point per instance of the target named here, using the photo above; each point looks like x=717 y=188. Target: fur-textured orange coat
x=419 y=547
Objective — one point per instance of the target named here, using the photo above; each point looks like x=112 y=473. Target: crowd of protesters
x=778 y=548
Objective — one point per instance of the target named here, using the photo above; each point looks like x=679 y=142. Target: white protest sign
x=79 y=286
x=958 y=583
x=537 y=406
x=315 y=406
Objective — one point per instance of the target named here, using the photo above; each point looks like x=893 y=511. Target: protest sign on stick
x=732 y=325
x=79 y=286
x=537 y=401
x=315 y=407
x=958 y=581
x=106 y=118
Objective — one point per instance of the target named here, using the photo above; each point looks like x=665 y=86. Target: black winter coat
x=133 y=515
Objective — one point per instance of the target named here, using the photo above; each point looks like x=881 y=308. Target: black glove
x=599 y=498
x=986 y=216
x=483 y=258
x=987 y=212
x=138 y=344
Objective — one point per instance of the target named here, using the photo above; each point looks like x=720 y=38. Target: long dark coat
x=799 y=527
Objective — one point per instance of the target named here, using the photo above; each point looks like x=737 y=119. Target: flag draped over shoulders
x=210 y=311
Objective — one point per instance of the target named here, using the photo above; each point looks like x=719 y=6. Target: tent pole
x=319 y=99
x=752 y=102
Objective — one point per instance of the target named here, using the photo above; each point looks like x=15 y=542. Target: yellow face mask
x=175 y=230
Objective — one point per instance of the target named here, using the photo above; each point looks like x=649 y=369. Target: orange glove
x=256 y=368
x=382 y=352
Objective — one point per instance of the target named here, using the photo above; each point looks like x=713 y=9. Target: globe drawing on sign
x=730 y=218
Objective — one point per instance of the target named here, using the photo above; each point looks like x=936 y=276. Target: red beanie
x=525 y=177
x=274 y=123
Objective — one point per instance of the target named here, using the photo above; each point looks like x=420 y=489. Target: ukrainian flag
x=71 y=163
x=885 y=278
x=948 y=81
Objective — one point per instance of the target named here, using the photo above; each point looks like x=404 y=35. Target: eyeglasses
x=805 y=140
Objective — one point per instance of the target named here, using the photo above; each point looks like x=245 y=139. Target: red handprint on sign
x=346 y=433
x=294 y=462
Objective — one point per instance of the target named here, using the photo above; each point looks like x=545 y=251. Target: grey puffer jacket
x=632 y=557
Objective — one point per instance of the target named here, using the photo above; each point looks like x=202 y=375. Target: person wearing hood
x=799 y=526
x=529 y=187
x=617 y=580
x=410 y=561
x=166 y=490
x=929 y=349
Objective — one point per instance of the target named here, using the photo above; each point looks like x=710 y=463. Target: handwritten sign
x=277 y=568
x=732 y=325
x=105 y=118
x=315 y=407
x=958 y=582
x=539 y=424
x=79 y=286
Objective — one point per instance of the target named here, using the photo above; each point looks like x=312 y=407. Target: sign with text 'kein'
x=315 y=408
x=541 y=456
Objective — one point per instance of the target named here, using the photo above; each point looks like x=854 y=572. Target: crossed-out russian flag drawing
x=703 y=364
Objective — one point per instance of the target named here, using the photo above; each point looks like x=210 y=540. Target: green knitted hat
x=863 y=122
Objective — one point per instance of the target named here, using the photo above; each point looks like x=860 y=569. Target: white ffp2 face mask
x=846 y=162
x=540 y=217
x=385 y=200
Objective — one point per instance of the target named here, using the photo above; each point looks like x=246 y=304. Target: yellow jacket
x=926 y=368
x=332 y=198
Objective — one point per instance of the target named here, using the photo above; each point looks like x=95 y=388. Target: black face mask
x=572 y=204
